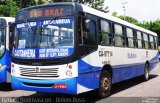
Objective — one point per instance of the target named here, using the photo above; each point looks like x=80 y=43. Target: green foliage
x=8 y=8
x=24 y=3
x=114 y=14
x=39 y=2
x=153 y=26
x=129 y=19
x=97 y=4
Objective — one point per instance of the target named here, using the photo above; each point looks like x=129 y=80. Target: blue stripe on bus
x=19 y=83
x=156 y=58
x=127 y=73
x=5 y=60
x=85 y=67
x=88 y=75
x=87 y=80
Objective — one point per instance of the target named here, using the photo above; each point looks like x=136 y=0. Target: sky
x=142 y=10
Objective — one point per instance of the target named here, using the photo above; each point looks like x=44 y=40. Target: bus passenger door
x=87 y=36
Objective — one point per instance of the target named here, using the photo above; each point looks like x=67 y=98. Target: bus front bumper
x=68 y=86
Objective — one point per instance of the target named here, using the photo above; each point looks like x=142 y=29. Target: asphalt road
x=130 y=91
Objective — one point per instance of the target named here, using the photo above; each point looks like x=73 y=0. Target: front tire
x=146 y=72
x=105 y=84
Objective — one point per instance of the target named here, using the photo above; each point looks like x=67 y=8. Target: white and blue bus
x=6 y=28
x=71 y=48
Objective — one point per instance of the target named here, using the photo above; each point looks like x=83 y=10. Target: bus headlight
x=2 y=67
x=69 y=73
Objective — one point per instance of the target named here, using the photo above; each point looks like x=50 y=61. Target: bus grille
x=39 y=72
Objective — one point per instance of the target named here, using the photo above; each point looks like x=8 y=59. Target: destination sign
x=43 y=53
x=45 y=11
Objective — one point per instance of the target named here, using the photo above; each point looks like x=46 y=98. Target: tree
x=39 y=2
x=152 y=25
x=8 y=8
x=24 y=3
x=97 y=4
x=129 y=19
x=114 y=14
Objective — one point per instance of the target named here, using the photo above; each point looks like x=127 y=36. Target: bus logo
x=37 y=69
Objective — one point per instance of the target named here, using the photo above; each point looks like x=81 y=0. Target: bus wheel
x=146 y=72
x=105 y=84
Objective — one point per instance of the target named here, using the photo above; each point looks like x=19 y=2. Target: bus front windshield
x=44 y=39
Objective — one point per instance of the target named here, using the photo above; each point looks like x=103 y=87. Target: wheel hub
x=105 y=84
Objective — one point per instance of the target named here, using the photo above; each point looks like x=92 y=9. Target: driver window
x=88 y=33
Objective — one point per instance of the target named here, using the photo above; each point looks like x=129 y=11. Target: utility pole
x=124 y=8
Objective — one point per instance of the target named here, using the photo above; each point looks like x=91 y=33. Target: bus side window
x=130 y=37
x=139 y=39
x=146 y=40
x=135 y=41
x=89 y=30
x=151 y=42
x=105 y=36
x=118 y=35
x=155 y=42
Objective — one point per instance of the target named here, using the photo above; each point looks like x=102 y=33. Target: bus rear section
x=6 y=29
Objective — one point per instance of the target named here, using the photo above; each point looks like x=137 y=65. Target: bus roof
x=115 y=19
